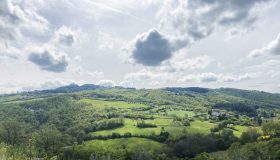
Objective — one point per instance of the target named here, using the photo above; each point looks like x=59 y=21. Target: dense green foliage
x=93 y=122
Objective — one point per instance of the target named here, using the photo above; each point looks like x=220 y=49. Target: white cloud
x=9 y=52
x=107 y=83
x=273 y=48
x=142 y=75
x=126 y=84
x=65 y=36
x=213 y=77
x=20 y=87
x=199 y=19
x=182 y=64
x=16 y=21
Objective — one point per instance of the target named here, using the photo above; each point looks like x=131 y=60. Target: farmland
x=121 y=123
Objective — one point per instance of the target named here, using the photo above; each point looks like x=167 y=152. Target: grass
x=101 y=104
x=240 y=129
x=130 y=126
x=181 y=113
x=202 y=127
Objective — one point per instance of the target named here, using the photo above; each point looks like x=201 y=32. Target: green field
x=240 y=129
x=130 y=127
x=117 y=123
x=181 y=113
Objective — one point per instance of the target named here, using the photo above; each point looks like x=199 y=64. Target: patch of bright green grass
x=130 y=126
x=240 y=129
x=181 y=113
x=202 y=127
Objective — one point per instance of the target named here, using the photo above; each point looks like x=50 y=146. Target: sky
x=46 y=44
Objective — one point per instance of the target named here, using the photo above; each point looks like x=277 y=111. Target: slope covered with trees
x=92 y=122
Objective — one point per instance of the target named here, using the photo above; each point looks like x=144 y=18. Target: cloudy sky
x=140 y=43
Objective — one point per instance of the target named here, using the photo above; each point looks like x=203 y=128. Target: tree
x=271 y=128
x=48 y=139
x=225 y=139
x=251 y=135
x=12 y=132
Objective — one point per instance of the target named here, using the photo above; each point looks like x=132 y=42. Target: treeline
x=192 y=144
x=162 y=137
x=243 y=108
x=106 y=124
x=142 y=124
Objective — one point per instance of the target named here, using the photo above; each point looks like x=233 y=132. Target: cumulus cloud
x=273 y=48
x=10 y=15
x=191 y=21
x=65 y=36
x=107 y=83
x=126 y=84
x=50 y=84
x=182 y=64
x=151 y=48
x=7 y=52
x=268 y=69
x=49 y=59
x=15 y=21
x=170 y=71
x=200 y=18
x=213 y=77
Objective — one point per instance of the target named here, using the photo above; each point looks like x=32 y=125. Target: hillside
x=79 y=122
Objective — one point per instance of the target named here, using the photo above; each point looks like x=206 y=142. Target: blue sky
x=144 y=44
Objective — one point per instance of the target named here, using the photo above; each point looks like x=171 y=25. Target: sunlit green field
x=240 y=129
x=202 y=127
x=105 y=125
x=130 y=127
x=181 y=113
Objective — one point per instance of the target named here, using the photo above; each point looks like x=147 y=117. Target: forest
x=91 y=122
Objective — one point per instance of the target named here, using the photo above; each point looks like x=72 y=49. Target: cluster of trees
x=43 y=128
x=250 y=146
x=138 y=116
x=181 y=121
x=162 y=137
x=40 y=128
x=142 y=124
x=106 y=124
x=263 y=150
x=243 y=108
x=192 y=144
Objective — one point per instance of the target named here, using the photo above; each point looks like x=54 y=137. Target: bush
x=251 y=135
x=143 y=124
